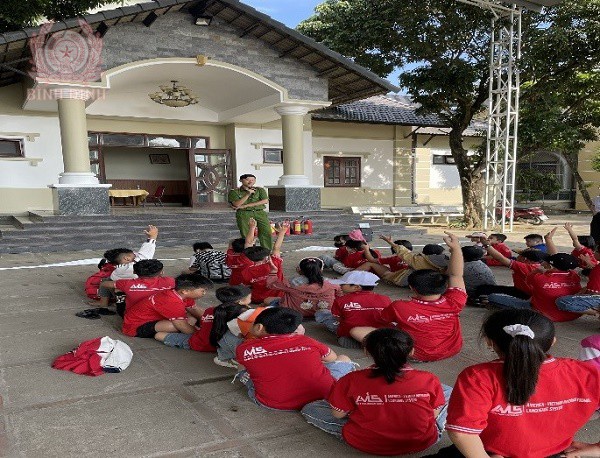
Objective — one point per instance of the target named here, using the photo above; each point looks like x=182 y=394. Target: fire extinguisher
x=308 y=226
x=287 y=227
x=297 y=227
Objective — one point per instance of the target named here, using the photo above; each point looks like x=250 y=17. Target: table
x=137 y=195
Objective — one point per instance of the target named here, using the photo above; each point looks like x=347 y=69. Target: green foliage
x=537 y=184
x=16 y=14
x=596 y=162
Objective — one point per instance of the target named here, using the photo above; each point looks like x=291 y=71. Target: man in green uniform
x=250 y=202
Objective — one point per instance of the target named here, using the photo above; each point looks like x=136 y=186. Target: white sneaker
x=226 y=362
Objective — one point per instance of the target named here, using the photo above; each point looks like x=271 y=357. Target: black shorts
x=146 y=330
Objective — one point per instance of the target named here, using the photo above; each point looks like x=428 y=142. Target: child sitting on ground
x=339 y=241
x=285 y=370
x=235 y=259
x=255 y=276
x=359 y=306
x=431 y=316
x=476 y=272
x=209 y=263
x=316 y=294
x=497 y=242
x=387 y=409
x=476 y=238
x=533 y=242
x=526 y=403
x=166 y=310
x=200 y=339
x=583 y=246
x=355 y=254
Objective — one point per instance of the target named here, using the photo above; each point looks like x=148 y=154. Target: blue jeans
x=508 y=302
x=178 y=340
x=227 y=345
x=578 y=304
x=318 y=413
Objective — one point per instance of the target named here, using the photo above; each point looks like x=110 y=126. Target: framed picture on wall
x=160 y=159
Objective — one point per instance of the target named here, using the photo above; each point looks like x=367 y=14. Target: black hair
x=534 y=237
x=523 y=356
x=114 y=256
x=534 y=255
x=563 y=261
x=256 y=253
x=472 y=253
x=374 y=253
x=192 y=281
x=312 y=269
x=354 y=244
x=366 y=287
x=428 y=282
x=202 y=246
x=279 y=320
x=232 y=293
x=405 y=243
x=587 y=241
x=238 y=245
x=221 y=316
x=148 y=268
x=389 y=349
x=432 y=248
x=246 y=175
x=340 y=240
x=500 y=237
x=101 y=263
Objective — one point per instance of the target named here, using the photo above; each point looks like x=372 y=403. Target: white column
x=292 y=131
x=74 y=137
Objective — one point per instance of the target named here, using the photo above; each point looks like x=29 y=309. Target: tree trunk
x=581 y=185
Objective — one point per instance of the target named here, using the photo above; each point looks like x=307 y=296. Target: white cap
x=357 y=277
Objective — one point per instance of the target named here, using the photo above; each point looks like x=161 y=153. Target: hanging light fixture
x=175 y=96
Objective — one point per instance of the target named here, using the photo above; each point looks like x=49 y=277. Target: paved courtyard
x=169 y=402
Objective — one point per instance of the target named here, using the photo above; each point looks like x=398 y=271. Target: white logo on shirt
x=536 y=407
x=556 y=285
x=352 y=306
x=428 y=319
x=207 y=318
x=508 y=410
x=138 y=286
x=369 y=399
x=418 y=319
x=255 y=351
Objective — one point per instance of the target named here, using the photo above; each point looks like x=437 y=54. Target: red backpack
x=93 y=283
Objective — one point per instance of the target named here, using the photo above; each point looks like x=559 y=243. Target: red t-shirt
x=503 y=250
x=237 y=262
x=341 y=253
x=165 y=305
x=520 y=272
x=433 y=325
x=389 y=419
x=353 y=260
x=287 y=370
x=593 y=284
x=395 y=263
x=199 y=340
x=255 y=277
x=583 y=252
x=547 y=287
x=566 y=395
x=362 y=308
x=136 y=289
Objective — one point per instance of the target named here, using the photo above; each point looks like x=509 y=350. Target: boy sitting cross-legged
x=431 y=315
x=285 y=370
x=235 y=258
x=358 y=307
x=166 y=310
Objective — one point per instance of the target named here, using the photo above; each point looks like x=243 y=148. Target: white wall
x=134 y=163
x=443 y=176
x=377 y=164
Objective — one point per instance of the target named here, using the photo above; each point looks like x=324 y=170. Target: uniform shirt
x=124 y=271
x=433 y=325
x=362 y=308
x=259 y=194
x=389 y=419
x=305 y=298
x=255 y=277
x=520 y=271
x=394 y=263
x=566 y=395
x=165 y=305
x=287 y=370
x=548 y=286
x=211 y=264
x=503 y=250
x=199 y=340
x=582 y=252
x=236 y=262
x=137 y=289
x=341 y=253
x=353 y=260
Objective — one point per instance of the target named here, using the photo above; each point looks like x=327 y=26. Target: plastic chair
x=156 y=197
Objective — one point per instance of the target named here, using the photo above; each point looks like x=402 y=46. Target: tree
x=16 y=14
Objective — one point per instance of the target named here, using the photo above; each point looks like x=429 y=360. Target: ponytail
x=522 y=338
x=312 y=269
x=221 y=316
x=390 y=349
x=101 y=263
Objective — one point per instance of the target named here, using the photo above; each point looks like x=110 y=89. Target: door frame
x=192 y=175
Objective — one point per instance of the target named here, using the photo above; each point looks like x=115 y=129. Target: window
x=272 y=155
x=342 y=171
x=11 y=147
x=440 y=159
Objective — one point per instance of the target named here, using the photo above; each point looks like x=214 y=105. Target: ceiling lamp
x=175 y=96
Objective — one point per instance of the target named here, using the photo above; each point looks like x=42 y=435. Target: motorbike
x=531 y=215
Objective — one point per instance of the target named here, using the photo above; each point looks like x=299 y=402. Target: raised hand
x=550 y=234
x=151 y=232
x=452 y=241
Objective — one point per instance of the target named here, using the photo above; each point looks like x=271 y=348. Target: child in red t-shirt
x=526 y=403
x=583 y=248
x=497 y=243
x=431 y=315
x=387 y=409
x=339 y=241
x=383 y=266
x=358 y=307
x=285 y=370
x=235 y=258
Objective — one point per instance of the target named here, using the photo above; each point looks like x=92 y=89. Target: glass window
x=168 y=142
x=201 y=142
x=123 y=139
x=437 y=159
x=272 y=155
x=11 y=147
x=342 y=172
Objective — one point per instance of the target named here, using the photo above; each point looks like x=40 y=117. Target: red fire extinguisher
x=297 y=227
x=308 y=226
x=287 y=227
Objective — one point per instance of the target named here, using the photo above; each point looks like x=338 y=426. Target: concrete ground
x=169 y=402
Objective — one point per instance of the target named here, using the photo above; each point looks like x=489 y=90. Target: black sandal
x=90 y=314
